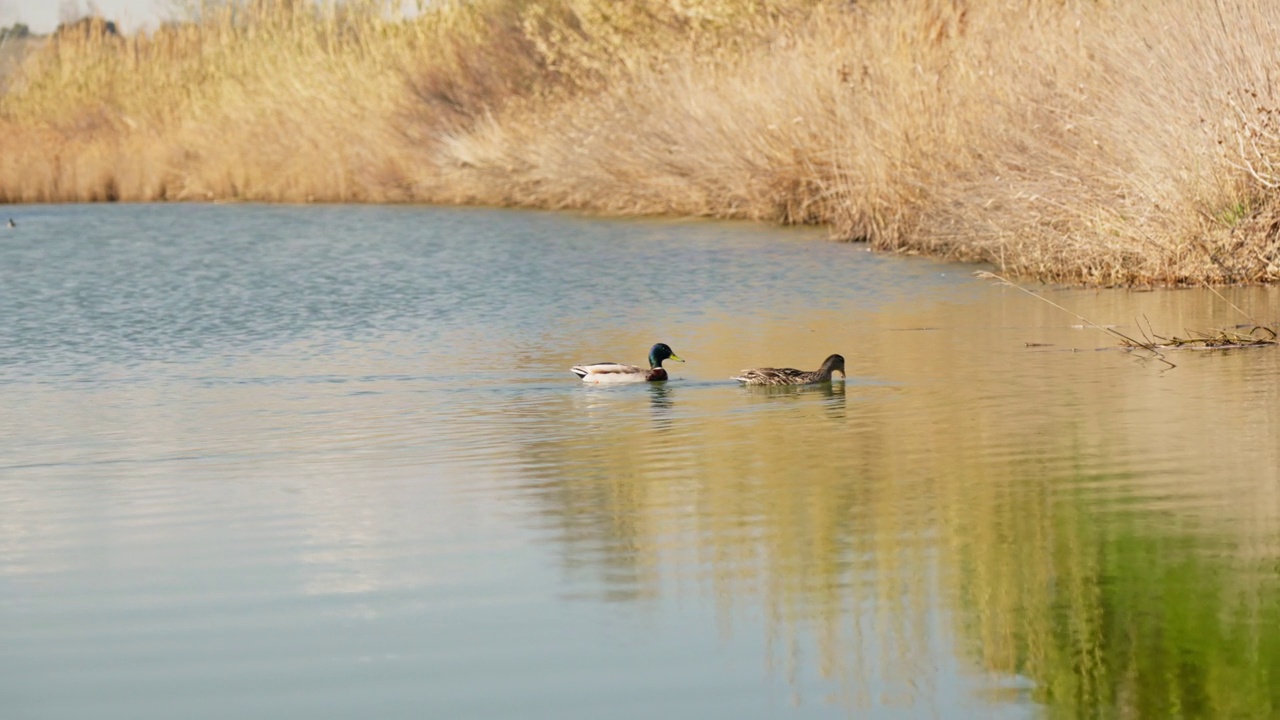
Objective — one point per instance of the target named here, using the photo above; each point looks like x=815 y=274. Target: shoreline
x=1068 y=148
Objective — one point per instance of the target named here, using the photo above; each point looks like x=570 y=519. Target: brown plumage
x=792 y=376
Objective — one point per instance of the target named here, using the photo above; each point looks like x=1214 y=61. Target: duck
x=12 y=224
x=792 y=376
x=611 y=372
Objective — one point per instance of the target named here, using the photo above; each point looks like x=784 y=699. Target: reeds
x=1254 y=336
x=1067 y=141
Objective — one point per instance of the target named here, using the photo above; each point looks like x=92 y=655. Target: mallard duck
x=609 y=372
x=792 y=376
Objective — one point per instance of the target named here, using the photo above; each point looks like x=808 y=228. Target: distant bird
x=792 y=376
x=12 y=224
x=609 y=372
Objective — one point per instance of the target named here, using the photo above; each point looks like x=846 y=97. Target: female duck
x=792 y=376
x=608 y=372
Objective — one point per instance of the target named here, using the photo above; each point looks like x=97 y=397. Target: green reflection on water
x=1113 y=615
x=1057 y=519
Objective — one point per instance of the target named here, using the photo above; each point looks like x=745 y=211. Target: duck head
x=661 y=352
x=834 y=363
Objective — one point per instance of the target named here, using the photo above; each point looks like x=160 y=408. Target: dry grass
x=1255 y=336
x=1068 y=141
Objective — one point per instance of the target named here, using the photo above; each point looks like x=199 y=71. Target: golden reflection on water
x=992 y=467
x=1082 y=527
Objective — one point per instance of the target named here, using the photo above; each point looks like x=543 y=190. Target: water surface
x=330 y=462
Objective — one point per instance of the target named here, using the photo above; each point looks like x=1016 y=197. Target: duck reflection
x=831 y=395
x=603 y=402
x=660 y=404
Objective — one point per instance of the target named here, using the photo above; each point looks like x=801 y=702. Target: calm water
x=275 y=462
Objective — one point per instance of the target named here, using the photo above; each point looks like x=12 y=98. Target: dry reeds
x=1256 y=336
x=1067 y=141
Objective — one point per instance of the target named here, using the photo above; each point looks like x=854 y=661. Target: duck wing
x=606 y=371
x=772 y=376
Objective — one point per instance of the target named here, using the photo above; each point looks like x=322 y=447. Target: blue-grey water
x=329 y=462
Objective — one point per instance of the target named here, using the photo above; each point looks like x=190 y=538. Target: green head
x=661 y=352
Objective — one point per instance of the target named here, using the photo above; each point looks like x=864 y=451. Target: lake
x=330 y=462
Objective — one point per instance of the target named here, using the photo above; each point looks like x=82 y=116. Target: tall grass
x=1078 y=141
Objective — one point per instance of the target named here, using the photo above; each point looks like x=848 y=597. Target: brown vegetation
x=1135 y=143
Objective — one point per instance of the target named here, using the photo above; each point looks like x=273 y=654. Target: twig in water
x=1259 y=335
x=1124 y=339
x=1246 y=315
x=1110 y=331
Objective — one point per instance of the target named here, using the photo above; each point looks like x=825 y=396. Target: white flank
x=610 y=373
